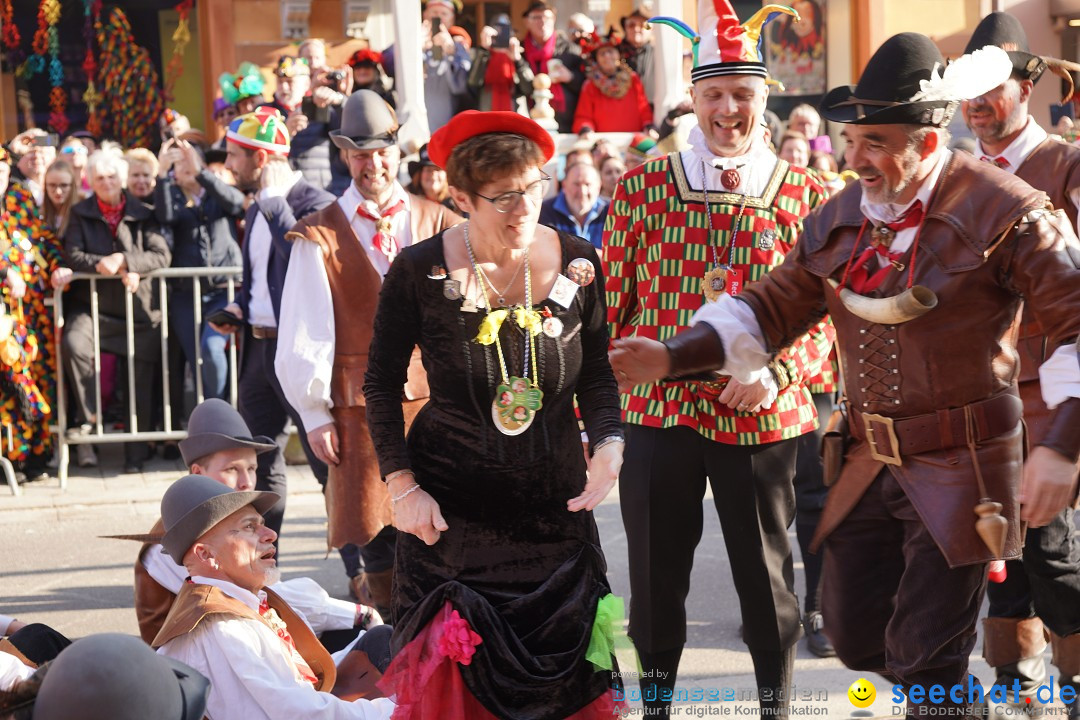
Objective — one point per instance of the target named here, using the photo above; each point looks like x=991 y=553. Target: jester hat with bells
x=1000 y=29
x=724 y=46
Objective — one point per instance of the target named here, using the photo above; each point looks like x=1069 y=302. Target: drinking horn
x=908 y=305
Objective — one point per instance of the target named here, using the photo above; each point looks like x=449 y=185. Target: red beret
x=471 y=123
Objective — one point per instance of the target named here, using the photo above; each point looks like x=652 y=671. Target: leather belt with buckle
x=263 y=333
x=890 y=439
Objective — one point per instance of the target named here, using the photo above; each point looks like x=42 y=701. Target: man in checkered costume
x=664 y=255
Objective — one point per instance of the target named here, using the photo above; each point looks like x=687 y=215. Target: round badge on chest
x=767 y=240
x=581 y=271
x=730 y=179
x=553 y=327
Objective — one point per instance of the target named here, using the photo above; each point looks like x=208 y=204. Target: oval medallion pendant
x=515 y=405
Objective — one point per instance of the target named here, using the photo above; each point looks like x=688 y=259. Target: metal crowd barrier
x=133 y=433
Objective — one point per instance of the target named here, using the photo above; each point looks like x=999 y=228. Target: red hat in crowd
x=591 y=44
x=471 y=123
x=365 y=58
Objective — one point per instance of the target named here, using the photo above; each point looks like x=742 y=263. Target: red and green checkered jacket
x=656 y=250
x=826 y=381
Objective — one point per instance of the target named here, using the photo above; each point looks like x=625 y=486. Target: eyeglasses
x=57 y=186
x=507 y=201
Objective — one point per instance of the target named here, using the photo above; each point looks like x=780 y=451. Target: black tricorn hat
x=1006 y=32
x=891 y=78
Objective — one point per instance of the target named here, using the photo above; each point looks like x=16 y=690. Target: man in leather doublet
x=926 y=336
x=1042 y=591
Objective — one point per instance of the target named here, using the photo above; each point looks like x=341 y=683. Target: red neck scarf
x=498 y=79
x=862 y=281
x=275 y=621
x=112 y=214
x=384 y=240
x=538 y=57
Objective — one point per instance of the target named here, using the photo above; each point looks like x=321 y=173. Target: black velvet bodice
x=524 y=571
x=454 y=448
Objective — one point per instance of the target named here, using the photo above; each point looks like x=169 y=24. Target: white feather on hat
x=967 y=77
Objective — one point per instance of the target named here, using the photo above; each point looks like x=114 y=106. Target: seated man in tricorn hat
x=262 y=660
x=922 y=266
x=219 y=446
x=339 y=257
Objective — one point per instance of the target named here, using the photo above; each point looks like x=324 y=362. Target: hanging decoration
x=46 y=58
x=181 y=37
x=91 y=97
x=131 y=96
x=11 y=38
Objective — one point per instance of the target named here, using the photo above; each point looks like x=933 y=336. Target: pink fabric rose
x=458 y=641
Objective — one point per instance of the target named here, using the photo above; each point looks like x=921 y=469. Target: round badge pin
x=581 y=271
x=552 y=327
x=452 y=290
x=767 y=240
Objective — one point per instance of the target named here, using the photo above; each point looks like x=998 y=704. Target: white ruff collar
x=758 y=151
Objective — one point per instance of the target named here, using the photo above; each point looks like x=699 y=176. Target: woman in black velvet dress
x=499 y=575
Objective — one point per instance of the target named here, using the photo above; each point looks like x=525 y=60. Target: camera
x=334 y=77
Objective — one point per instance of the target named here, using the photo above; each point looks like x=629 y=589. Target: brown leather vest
x=977 y=255
x=197 y=603
x=355 y=286
x=1054 y=168
x=152 y=601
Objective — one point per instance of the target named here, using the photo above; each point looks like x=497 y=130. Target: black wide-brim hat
x=1006 y=32
x=424 y=161
x=891 y=78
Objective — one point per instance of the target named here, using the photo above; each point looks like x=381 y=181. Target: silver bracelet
x=608 y=441
x=397 y=474
x=412 y=488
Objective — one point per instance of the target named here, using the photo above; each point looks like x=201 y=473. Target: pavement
x=56 y=569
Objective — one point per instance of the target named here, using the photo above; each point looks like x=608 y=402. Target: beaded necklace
x=517 y=399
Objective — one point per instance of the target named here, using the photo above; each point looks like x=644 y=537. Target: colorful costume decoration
x=180 y=37
x=247 y=82
x=31 y=248
x=132 y=102
x=263 y=129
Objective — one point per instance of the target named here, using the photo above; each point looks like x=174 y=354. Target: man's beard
x=991 y=133
x=272 y=576
x=889 y=193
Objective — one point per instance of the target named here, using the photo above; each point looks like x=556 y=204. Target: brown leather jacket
x=987 y=241
x=357 y=503
x=196 y=603
x=1053 y=167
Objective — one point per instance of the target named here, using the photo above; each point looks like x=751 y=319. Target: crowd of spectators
x=84 y=204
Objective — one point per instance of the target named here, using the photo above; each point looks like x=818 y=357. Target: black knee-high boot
x=774 y=672
x=659 y=670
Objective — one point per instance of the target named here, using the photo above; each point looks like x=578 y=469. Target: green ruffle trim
x=607 y=632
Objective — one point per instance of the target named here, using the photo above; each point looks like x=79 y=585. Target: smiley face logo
x=861 y=693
